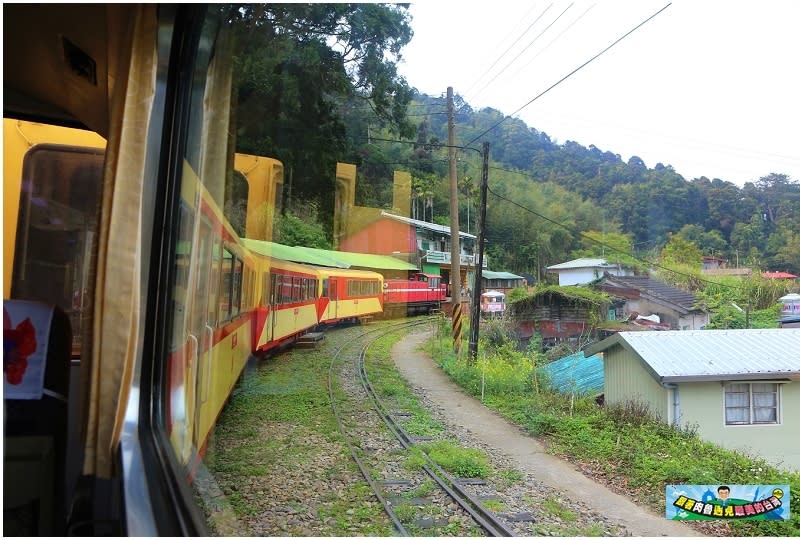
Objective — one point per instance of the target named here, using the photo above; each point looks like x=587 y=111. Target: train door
x=56 y=227
x=203 y=317
x=333 y=295
x=48 y=244
x=276 y=292
x=184 y=346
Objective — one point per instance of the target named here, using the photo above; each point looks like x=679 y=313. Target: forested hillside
x=550 y=202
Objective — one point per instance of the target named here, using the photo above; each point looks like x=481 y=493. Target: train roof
x=326 y=272
x=325 y=257
x=494 y=293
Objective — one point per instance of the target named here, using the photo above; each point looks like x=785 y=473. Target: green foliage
x=516 y=293
x=457 y=460
x=291 y=230
x=625 y=441
x=681 y=251
x=303 y=76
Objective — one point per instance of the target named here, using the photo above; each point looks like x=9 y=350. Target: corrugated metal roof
x=488 y=274
x=655 y=289
x=364 y=260
x=684 y=355
x=576 y=372
x=582 y=263
x=290 y=253
x=425 y=225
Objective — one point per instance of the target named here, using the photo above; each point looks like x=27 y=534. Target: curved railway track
x=448 y=503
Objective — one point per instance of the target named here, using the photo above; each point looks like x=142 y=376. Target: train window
x=286 y=290
x=214 y=282
x=236 y=286
x=226 y=292
x=324 y=288
x=332 y=293
x=56 y=227
x=297 y=289
x=275 y=285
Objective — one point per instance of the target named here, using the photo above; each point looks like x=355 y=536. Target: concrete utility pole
x=455 y=249
x=475 y=317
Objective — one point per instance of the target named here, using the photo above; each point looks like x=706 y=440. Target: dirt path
x=461 y=409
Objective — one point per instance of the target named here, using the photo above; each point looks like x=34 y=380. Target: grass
x=624 y=445
x=458 y=460
x=391 y=387
x=555 y=508
x=278 y=422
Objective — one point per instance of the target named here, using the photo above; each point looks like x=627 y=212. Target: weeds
x=623 y=441
x=457 y=460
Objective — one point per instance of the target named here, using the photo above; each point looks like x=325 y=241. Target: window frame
x=751 y=407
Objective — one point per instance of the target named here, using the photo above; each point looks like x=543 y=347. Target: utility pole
x=475 y=319
x=455 y=249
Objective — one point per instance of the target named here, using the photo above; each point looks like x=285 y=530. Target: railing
x=444 y=257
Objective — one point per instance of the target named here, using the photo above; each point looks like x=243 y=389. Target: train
x=244 y=302
x=131 y=304
x=420 y=293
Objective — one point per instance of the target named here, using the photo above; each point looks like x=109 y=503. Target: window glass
x=272 y=131
x=56 y=228
x=751 y=403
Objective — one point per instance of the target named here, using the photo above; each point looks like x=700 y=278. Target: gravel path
x=546 y=475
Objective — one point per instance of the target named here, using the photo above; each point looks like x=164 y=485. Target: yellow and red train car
x=228 y=300
x=348 y=295
x=122 y=228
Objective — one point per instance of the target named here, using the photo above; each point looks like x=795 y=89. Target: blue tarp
x=576 y=373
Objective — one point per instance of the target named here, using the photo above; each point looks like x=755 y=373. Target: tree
x=680 y=251
x=300 y=68
x=292 y=230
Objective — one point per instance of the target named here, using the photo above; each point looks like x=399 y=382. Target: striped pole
x=457 y=328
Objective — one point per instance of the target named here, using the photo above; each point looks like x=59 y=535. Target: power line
x=506 y=51
x=526 y=48
x=571 y=73
x=564 y=31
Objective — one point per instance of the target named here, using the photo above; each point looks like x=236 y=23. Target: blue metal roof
x=576 y=373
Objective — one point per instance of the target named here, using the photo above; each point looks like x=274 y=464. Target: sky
x=709 y=87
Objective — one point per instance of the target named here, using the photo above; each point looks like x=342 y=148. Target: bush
x=631 y=413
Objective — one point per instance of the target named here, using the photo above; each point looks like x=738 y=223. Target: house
x=740 y=388
x=584 y=271
x=501 y=281
x=647 y=296
x=423 y=244
x=790 y=311
x=778 y=275
x=729 y=272
x=713 y=263
x=559 y=314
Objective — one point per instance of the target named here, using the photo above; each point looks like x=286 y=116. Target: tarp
x=576 y=373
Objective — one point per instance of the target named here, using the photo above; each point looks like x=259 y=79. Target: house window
x=751 y=403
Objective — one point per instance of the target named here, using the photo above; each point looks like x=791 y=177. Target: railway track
x=425 y=499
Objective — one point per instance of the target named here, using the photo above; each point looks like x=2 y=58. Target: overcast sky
x=707 y=86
